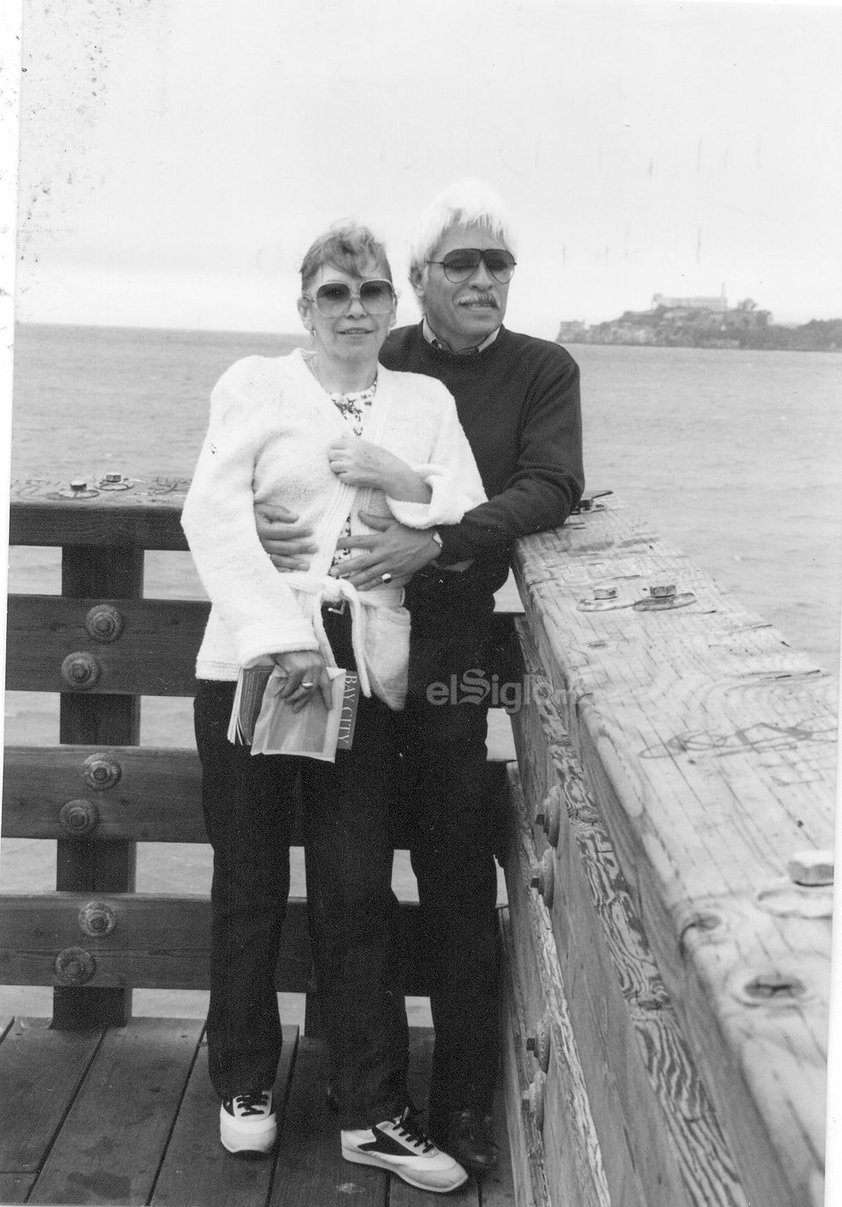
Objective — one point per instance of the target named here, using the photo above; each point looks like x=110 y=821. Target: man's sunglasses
x=461 y=264
x=334 y=298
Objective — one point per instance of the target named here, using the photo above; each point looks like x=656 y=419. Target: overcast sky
x=178 y=156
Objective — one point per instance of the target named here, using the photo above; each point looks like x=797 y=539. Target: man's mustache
x=480 y=299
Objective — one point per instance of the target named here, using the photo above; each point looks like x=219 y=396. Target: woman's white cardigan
x=271 y=424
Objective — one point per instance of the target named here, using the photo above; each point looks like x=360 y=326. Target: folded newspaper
x=263 y=719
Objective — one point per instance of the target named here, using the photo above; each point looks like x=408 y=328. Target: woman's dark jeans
x=249 y=810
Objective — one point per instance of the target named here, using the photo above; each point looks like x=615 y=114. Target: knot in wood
x=773 y=988
x=74 y=966
x=97 y=919
x=80 y=670
x=104 y=623
x=79 y=817
x=101 y=771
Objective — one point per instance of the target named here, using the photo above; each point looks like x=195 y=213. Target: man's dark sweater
x=518 y=401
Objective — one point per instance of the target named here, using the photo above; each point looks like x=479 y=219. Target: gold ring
x=386 y=578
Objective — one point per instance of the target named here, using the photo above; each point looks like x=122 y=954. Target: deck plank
x=40 y=1072
x=110 y=1146
x=196 y=1168
x=14 y=1188
x=310 y=1169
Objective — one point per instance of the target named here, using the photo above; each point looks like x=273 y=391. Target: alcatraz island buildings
x=702 y=322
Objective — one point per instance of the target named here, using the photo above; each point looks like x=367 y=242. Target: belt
x=337 y=594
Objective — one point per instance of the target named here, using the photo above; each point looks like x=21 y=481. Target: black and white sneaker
x=398 y=1146
x=247 y=1124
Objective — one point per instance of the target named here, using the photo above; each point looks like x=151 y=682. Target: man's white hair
x=467 y=202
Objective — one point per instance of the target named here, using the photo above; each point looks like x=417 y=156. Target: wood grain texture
x=155 y=655
x=40 y=1071
x=156 y=796
x=310 y=1168
x=15 y=1188
x=155 y=942
x=573 y=1157
x=147 y=515
x=196 y=1168
x=110 y=1146
x=708 y=746
x=524 y=1137
x=86 y=571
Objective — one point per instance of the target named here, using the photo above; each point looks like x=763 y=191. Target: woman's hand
x=306 y=674
x=360 y=463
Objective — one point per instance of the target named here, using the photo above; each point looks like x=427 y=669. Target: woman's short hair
x=468 y=202
x=348 y=247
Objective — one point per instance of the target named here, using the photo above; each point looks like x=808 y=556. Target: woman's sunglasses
x=334 y=298
x=462 y=263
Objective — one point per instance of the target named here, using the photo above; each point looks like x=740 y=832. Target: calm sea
x=736 y=456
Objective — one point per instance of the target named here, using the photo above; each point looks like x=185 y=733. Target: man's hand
x=285 y=539
x=393 y=549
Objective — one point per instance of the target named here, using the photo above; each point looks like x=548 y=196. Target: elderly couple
x=380 y=480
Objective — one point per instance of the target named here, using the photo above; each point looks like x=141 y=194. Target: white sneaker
x=399 y=1147
x=247 y=1124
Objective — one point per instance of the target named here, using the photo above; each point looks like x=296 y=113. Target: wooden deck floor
x=128 y=1116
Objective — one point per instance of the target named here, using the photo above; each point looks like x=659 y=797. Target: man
x=518 y=402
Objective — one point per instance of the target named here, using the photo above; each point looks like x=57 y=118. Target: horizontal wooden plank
x=709 y=748
x=145 y=942
x=135 y=513
x=128 y=793
x=111 y=793
x=154 y=654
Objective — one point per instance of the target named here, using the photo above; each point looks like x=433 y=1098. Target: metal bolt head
x=114 y=477
x=662 y=592
x=79 y=817
x=605 y=592
x=78 y=484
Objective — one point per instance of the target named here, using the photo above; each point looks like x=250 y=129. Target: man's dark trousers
x=452 y=824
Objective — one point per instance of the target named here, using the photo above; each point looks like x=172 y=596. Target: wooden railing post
x=89 y=572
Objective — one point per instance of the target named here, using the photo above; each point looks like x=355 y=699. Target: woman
x=328 y=433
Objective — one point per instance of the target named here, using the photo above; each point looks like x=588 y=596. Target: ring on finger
x=386 y=578
x=307 y=684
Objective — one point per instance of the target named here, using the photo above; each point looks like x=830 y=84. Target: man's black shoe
x=470 y=1138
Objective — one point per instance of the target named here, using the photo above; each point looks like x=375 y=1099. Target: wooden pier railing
x=667 y=934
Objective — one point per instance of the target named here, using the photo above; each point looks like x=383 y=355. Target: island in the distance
x=705 y=323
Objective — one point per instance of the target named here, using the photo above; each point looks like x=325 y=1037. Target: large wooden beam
x=98 y=646
x=708 y=747
x=132 y=513
x=104 y=941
